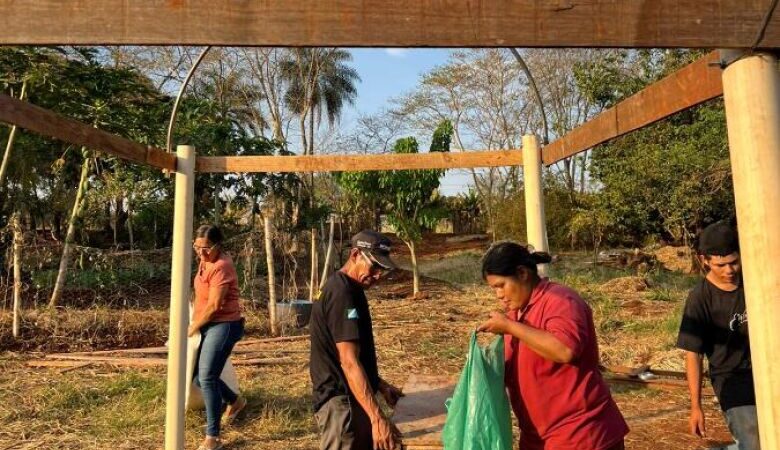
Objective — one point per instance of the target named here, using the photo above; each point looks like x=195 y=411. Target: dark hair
x=503 y=258
x=210 y=232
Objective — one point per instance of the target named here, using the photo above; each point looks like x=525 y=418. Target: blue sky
x=388 y=73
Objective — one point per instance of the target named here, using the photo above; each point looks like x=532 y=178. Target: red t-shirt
x=219 y=273
x=560 y=406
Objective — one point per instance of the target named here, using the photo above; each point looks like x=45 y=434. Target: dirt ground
x=102 y=407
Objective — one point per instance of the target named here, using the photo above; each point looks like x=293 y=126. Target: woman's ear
x=523 y=274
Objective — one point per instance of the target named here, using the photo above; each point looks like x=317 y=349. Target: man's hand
x=384 y=433
x=696 y=422
x=497 y=324
x=390 y=393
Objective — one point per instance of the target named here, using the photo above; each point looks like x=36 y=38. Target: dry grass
x=107 y=408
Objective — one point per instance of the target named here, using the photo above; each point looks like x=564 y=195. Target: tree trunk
x=329 y=253
x=269 y=259
x=130 y=223
x=56 y=226
x=70 y=236
x=18 y=238
x=313 y=291
x=217 y=213
x=415 y=271
x=9 y=146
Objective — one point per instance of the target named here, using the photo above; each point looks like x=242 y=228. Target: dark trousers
x=344 y=425
x=217 y=341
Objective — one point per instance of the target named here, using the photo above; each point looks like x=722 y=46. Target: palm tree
x=320 y=82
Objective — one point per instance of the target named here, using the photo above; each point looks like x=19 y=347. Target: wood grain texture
x=692 y=85
x=42 y=121
x=421 y=413
x=369 y=23
x=349 y=163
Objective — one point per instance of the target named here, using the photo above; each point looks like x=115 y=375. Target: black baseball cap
x=718 y=239
x=376 y=246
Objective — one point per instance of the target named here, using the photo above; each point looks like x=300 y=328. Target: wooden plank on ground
x=420 y=414
x=692 y=85
x=369 y=23
x=48 y=123
x=348 y=163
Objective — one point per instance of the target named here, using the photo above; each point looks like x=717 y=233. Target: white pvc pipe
x=751 y=91
x=534 y=197
x=181 y=271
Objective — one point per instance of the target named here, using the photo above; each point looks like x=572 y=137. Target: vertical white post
x=181 y=271
x=751 y=90
x=534 y=197
x=17 y=273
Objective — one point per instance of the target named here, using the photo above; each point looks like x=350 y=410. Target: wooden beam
x=352 y=163
x=693 y=84
x=379 y=23
x=42 y=121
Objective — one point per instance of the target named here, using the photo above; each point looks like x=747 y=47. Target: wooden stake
x=534 y=197
x=17 y=273
x=269 y=258
x=181 y=269
x=751 y=90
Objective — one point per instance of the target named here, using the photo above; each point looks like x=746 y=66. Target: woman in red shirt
x=217 y=317
x=552 y=376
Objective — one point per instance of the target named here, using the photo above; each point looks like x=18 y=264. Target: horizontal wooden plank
x=352 y=163
x=42 y=121
x=692 y=85
x=380 y=23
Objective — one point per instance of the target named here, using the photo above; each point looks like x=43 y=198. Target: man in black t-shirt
x=715 y=324
x=343 y=363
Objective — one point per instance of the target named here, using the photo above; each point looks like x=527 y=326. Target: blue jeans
x=217 y=341
x=743 y=424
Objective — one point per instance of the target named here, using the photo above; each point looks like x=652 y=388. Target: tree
x=410 y=195
x=667 y=180
x=320 y=81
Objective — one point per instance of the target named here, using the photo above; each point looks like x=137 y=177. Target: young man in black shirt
x=715 y=324
x=343 y=363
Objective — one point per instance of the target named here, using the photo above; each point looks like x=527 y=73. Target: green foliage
x=665 y=181
x=409 y=194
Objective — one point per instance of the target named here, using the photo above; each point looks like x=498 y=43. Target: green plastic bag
x=478 y=416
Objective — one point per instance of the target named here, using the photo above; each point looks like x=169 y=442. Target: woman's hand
x=497 y=324
x=191 y=330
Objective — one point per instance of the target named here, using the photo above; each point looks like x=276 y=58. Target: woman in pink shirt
x=217 y=317
x=552 y=376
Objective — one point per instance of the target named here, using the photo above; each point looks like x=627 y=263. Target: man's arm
x=361 y=389
x=693 y=369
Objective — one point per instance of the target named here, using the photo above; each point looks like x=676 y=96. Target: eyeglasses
x=375 y=267
x=199 y=249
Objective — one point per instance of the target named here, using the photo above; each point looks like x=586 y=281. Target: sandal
x=240 y=406
x=218 y=447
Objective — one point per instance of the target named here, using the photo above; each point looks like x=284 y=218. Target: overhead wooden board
x=380 y=23
x=692 y=85
x=48 y=123
x=348 y=163
x=421 y=413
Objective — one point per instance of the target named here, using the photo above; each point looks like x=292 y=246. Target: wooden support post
x=269 y=258
x=181 y=271
x=751 y=90
x=534 y=197
x=18 y=238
